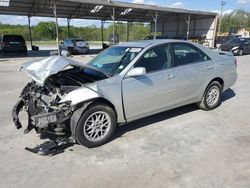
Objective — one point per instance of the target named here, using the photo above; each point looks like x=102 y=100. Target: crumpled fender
x=80 y=95
x=75 y=119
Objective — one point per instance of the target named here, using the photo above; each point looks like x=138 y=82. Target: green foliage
x=46 y=31
x=238 y=18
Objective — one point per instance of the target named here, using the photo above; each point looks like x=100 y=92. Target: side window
x=186 y=54
x=66 y=42
x=156 y=58
x=248 y=41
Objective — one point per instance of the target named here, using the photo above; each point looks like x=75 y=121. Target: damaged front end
x=43 y=109
x=51 y=98
x=45 y=113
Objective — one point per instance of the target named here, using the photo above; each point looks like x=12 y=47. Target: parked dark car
x=238 y=46
x=219 y=40
x=75 y=46
x=10 y=44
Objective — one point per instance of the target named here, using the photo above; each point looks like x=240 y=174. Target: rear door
x=153 y=92
x=191 y=70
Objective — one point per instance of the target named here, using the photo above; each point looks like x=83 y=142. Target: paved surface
x=186 y=147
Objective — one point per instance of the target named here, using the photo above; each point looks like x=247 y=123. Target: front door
x=153 y=92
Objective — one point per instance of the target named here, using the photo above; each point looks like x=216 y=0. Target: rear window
x=236 y=41
x=13 y=38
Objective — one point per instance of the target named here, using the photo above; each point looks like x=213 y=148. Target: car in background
x=75 y=46
x=238 y=46
x=124 y=83
x=12 y=44
x=219 y=40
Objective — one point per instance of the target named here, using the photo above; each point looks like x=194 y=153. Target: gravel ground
x=185 y=147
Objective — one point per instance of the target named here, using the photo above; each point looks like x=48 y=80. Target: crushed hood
x=41 y=70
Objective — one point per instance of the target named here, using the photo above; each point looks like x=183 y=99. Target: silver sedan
x=124 y=83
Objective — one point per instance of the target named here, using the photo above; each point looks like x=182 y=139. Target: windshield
x=233 y=41
x=115 y=59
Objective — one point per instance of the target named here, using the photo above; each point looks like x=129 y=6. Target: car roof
x=145 y=43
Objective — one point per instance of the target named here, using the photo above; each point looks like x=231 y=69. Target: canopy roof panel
x=97 y=10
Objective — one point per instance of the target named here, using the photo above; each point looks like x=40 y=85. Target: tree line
x=238 y=18
x=46 y=31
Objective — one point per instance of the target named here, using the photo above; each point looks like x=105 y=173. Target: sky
x=206 y=5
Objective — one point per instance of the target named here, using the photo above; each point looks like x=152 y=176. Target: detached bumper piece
x=15 y=112
x=52 y=147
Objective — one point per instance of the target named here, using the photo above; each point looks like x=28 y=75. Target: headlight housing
x=235 y=48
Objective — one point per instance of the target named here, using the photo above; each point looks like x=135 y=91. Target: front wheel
x=240 y=53
x=212 y=96
x=96 y=126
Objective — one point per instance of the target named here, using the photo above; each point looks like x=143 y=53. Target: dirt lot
x=186 y=147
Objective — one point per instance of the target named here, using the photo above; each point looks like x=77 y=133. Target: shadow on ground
x=228 y=94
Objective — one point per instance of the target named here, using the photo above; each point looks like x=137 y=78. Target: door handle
x=209 y=67
x=170 y=76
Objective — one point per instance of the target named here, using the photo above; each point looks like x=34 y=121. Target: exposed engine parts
x=42 y=106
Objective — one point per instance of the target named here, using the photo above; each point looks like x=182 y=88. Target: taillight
x=235 y=62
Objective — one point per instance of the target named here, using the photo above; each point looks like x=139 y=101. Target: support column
x=214 y=34
x=113 y=18
x=128 y=30
x=57 y=31
x=30 y=34
x=150 y=30
x=188 y=26
x=155 y=20
x=102 y=24
x=68 y=24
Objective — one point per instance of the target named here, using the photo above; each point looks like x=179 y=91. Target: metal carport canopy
x=98 y=10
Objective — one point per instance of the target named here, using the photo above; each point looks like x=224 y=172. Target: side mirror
x=138 y=71
x=62 y=43
x=65 y=53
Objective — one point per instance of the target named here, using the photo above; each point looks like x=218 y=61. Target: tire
x=212 y=96
x=93 y=134
x=240 y=53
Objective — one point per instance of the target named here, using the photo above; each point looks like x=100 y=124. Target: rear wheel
x=96 y=126
x=212 y=96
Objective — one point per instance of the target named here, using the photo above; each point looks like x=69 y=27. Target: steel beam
x=128 y=24
x=57 y=30
x=155 y=20
x=68 y=25
x=102 y=24
x=30 y=34
x=188 y=25
x=113 y=18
